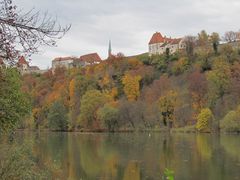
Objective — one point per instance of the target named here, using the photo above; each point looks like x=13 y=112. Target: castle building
x=22 y=65
x=70 y=62
x=90 y=59
x=159 y=44
x=66 y=62
x=24 y=68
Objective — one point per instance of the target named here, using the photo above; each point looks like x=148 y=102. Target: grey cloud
x=130 y=23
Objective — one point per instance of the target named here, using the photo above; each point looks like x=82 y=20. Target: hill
x=140 y=92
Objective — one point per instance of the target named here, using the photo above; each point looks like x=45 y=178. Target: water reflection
x=137 y=156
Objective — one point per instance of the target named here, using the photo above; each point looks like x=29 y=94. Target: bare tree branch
x=23 y=33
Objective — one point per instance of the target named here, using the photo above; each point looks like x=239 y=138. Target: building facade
x=70 y=62
x=66 y=62
x=90 y=59
x=24 y=68
x=160 y=45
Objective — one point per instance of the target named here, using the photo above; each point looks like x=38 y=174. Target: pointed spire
x=109 y=49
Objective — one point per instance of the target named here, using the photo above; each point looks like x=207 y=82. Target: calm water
x=138 y=156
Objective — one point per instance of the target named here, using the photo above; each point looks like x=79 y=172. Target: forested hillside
x=197 y=88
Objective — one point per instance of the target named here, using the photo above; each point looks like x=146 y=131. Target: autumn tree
x=109 y=116
x=235 y=80
x=73 y=104
x=231 y=121
x=78 y=86
x=131 y=86
x=23 y=32
x=218 y=80
x=215 y=38
x=91 y=101
x=204 y=120
x=180 y=66
x=167 y=104
x=198 y=90
x=190 y=42
x=158 y=88
x=203 y=38
x=227 y=52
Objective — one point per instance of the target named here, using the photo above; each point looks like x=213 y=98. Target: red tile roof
x=65 y=58
x=22 y=61
x=91 y=58
x=156 y=38
x=176 y=41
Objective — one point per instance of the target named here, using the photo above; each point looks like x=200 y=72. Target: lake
x=133 y=156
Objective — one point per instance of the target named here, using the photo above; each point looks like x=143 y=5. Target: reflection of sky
x=130 y=23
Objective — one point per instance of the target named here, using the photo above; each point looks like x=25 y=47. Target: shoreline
x=163 y=130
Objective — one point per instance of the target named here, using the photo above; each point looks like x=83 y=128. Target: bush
x=204 y=120
x=109 y=116
x=231 y=122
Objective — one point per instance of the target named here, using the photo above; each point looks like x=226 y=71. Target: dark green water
x=137 y=156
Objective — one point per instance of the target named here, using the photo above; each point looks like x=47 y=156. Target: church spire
x=109 y=49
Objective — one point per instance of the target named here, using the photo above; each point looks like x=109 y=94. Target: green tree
x=91 y=101
x=204 y=120
x=109 y=116
x=57 y=117
x=14 y=104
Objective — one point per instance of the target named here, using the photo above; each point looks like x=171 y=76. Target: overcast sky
x=129 y=23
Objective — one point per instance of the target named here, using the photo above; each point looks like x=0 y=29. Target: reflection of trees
x=231 y=145
x=132 y=171
x=203 y=146
x=134 y=156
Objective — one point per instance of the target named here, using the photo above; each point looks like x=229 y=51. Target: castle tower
x=109 y=49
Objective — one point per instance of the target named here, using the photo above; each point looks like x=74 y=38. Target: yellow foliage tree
x=167 y=104
x=131 y=86
x=204 y=119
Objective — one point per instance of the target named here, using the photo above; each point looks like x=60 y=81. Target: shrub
x=204 y=119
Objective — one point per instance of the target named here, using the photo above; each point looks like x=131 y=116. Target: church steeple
x=109 y=49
